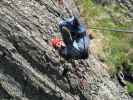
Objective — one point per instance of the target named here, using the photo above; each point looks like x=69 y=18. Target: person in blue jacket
x=75 y=38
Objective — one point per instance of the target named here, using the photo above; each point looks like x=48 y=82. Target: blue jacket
x=80 y=44
x=72 y=27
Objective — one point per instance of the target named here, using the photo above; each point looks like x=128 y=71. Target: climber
x=76 y=41
x=75 y=38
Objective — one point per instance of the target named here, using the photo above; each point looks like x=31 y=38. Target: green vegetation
x=130 y=67
x=130 y=87
x=118 y=44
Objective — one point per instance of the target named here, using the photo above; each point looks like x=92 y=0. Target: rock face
x=30 y=69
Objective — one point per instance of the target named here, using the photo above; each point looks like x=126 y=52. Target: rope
x=114 y=30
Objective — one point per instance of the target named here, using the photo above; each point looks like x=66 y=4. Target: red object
x=61 y=2
x=83 y=83
x=56 y=42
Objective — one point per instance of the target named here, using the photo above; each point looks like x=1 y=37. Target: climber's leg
x=66 y=35
x=69 y=52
